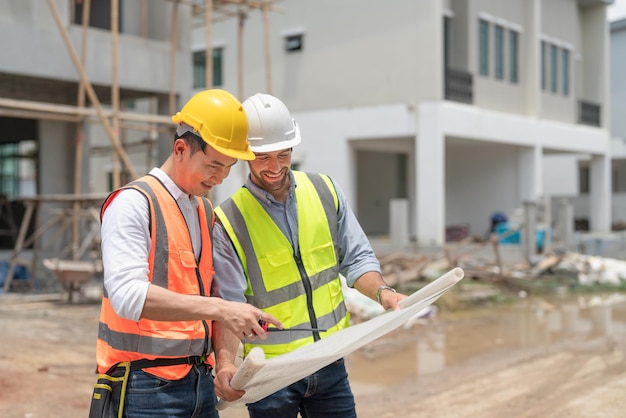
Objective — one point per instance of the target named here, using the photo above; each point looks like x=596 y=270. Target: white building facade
x=456 y=107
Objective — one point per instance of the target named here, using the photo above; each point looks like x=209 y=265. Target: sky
x=617 y=10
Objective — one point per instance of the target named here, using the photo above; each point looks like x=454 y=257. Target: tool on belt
x=109 y=392
x=107 y=400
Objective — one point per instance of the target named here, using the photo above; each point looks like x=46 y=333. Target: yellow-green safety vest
x=301 y=290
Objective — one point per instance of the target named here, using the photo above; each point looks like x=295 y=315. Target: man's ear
x=180 y=146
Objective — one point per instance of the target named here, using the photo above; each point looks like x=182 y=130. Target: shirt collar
x=267 y=196
x=169 y=184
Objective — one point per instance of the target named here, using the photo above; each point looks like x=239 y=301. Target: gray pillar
x=547 y=221
x=566 y=224
x=399 y=223
x=529 y=230
x=165 y=141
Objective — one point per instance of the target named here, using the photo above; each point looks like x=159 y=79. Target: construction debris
x=587 y=268
x=483 y=261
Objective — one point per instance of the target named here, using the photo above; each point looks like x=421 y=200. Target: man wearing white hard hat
x=288 y=235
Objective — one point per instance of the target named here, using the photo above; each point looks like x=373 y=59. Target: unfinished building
x=87 y=90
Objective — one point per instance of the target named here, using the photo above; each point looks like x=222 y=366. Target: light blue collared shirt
x=356 y=256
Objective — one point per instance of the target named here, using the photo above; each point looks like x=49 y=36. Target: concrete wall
x=594 y=48
x=481 y=178
x=56 y=157
x=355 y=53
x=34 y=46
x=460 y=52
x=561 y=175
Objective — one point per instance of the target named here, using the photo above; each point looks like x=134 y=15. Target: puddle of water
x=483 y=336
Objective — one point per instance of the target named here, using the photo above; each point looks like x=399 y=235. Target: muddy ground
x=536 y=358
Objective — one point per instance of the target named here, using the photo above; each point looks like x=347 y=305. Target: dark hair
x=194 y=141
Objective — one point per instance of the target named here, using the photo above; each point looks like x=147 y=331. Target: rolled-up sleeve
x=356 y=256
x=125 y=249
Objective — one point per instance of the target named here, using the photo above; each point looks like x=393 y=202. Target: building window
x=18 y=169
x=544 y=66
x=99 y=14
x=554 y=86
x=9 y=170
x=294 y=43
x=513 y=57
x=199 y=68
x=499 y=52
x=446 y=42
x=483 y=37
x=565 y=71
x=218 y=53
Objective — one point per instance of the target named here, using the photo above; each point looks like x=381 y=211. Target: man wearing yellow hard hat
x=156 y=323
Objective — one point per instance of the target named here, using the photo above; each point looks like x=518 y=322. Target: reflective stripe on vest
x=172 y=265
x=301 y=290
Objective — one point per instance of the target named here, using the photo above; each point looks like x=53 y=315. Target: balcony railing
x=459 y=86
x=588 y=113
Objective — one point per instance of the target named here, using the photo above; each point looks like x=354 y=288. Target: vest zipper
x=204 y=323
x=309 y=295
x=205 y=345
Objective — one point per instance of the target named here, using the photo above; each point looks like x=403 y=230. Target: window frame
x=199 y=68
x=513 y=56
x=565 y=71
x=295 y=39
x=483 y=47
x=554 y=69
x=498 y=38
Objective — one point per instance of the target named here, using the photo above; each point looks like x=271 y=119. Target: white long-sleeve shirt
x=126 y=245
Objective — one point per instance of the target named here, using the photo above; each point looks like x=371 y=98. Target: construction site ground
x=534 y=357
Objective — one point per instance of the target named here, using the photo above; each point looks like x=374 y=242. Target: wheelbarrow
x=73 y=274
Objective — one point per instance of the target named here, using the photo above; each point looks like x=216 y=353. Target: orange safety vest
x=172 y=265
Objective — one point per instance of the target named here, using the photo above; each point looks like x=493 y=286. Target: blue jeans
x=325 y=393
x=148 y=396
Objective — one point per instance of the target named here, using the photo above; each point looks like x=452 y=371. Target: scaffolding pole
x=115 y=91
x=80 y=134
x=208 y=19
x=90 y=91
x=173 y=45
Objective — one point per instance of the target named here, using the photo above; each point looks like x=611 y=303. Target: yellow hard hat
x=220 y=120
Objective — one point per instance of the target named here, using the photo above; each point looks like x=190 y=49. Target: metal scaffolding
x=115 y=120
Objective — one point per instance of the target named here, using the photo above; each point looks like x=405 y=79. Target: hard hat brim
x=247 y=155
x=277 y=146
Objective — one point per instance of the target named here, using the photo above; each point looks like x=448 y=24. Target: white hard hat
x=270 y=125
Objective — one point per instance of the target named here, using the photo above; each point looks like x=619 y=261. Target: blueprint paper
x=279 y=372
